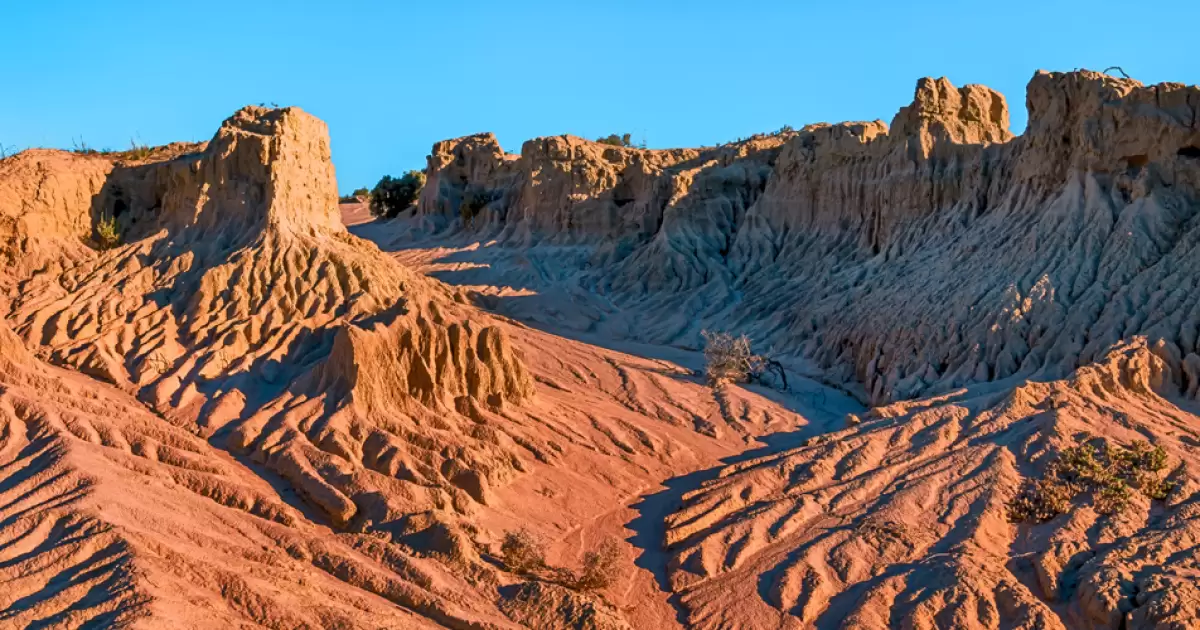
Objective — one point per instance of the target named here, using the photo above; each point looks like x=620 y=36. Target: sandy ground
x=893 y=517
x=559 y=309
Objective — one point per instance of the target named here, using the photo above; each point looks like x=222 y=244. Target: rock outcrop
x=112 y=517
x=1046 y=248
x=999 y=299
x=383 y=430
x=239 y=290
x=339 y=441
x=235 y=265
x=46 y=211
x=407 y=401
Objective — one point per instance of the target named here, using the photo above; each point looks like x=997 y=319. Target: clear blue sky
x=391 y=78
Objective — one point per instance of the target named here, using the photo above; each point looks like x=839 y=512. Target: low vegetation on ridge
x=108 y=235
x=1107 y=473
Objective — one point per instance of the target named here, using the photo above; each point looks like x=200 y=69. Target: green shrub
x=356 y=196
x=1109 y=474
x=616 y=141
x=108 y=235
x=391 y=196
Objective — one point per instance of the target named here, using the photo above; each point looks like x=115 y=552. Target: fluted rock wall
x=239 y=302
x=235 y=276
x=910 y=259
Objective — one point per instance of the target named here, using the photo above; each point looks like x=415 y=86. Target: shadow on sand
x=650 y=527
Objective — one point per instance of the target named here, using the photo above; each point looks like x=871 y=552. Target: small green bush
x=356 y=196
x=622 y=140
x=391 y=195
x=108 y=235
x=1108 y=473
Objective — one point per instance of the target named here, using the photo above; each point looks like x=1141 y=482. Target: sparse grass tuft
x=136 y=152
x=108 y=235
x=1109 y=474
x=523 y=554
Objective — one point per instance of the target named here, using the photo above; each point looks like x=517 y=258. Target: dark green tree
x=391 y=195
x=616 y=141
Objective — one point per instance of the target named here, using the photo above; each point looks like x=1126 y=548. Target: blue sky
x=391 y=78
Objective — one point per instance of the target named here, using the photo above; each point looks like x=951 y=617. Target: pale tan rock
x=46 y=209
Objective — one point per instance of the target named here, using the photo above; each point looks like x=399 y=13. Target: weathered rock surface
x=342 y=441
x=334 y=432
x=46 y=209
x=998 y=297
x=114 y=518
x=553 y=607
x=914 y=259
x=901 y=520
x=236 y=264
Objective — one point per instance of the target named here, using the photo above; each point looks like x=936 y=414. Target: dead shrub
x=522 y=552
x=729 y=359
x=600 y=567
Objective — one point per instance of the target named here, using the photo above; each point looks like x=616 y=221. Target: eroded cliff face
x=239 y=291
x=194 y=297
x=996 y=299
x=906 y=260
x=46 y=209
x=260 y=406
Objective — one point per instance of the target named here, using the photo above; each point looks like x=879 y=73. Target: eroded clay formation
x=244 y=414
x=907 y=260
